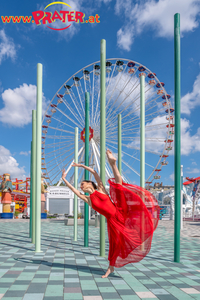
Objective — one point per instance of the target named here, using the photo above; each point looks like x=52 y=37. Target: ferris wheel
x=67 y=111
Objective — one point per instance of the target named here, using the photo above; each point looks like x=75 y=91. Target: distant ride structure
x=192 y=206
x=67 y=110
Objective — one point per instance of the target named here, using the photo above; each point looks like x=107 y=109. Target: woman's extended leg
x=112 y=162
x=110 y=270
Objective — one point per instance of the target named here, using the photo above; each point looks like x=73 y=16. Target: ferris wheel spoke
x=106 y=166
x=81 y=97
x=135 y=148
x=58 y=120
x=71 y=162
x=55 y=163
x=117 y=82
x=61 y=137
x=95 y=156
x=76 y=104
x=72 y=144
x=138 y=108
x=47 y=156
x=96 y=112
x=124 y=178
x=52 y=145
x=97 y=102
x=82 y=171
x=91 y=161
x=109 y=81
x=112 y=130
x=63 y=130
x=147 y=120
x=60 y=180
x=133 y=111
x=146 y=150
x=136 y=130
x=137 y=97
x=72 y=111
x=87 y=83
x=127 y=95
x=130 y=168
x=146 y=138
x=125 y=153
x=68 y=117
x=134 y=87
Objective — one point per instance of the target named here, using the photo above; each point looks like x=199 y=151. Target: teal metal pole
x=38 y=160
x=87 y=120
x=102 y=136
x=76 y=185
x=142 y=130
x=177 y=150
x=30 y=221
x=120 y=143
x=33 y=169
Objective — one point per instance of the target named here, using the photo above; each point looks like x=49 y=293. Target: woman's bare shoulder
x=102 y=191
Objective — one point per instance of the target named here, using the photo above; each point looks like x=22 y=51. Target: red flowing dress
x=132 y=216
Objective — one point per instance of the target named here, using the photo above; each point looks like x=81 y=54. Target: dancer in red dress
x=132 y=215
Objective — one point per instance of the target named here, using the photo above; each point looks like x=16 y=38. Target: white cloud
x=191 y=100
x=172 y=176
x=125 y=37
x=194 y=163
x=26 y=153
x=154 y=131
x=189 y=143
x=9 y=164
x=18 y=105
x=7 y=47
x=158 y=15
x=193 y=171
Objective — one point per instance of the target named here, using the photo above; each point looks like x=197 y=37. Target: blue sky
x=141 y=31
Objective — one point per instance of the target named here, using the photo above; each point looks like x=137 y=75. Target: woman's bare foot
x=109 y=271
x=110 y=157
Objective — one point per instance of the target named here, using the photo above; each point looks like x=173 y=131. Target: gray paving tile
x=14 y=293
x=37 y=288
x=110 y=296
x=91 y=292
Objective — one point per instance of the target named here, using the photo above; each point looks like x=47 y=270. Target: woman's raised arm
x=75 y=191
x=96 y=176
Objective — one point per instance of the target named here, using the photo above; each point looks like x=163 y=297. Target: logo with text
x=54 y=19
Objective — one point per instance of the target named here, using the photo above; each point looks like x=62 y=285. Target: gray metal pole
x=38 y=159
x=76 y=185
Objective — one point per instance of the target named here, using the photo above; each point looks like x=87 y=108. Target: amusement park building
x=59 y=200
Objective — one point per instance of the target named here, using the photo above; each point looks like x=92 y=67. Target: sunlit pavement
x=66 y=270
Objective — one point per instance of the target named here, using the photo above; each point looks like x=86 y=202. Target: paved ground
x=67 y=270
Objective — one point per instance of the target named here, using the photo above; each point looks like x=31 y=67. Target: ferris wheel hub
x=91 y=134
